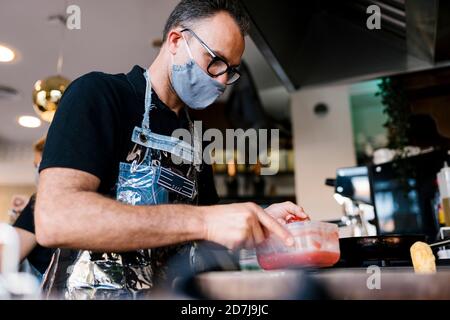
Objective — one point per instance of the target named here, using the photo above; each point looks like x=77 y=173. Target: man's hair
x=189 y=11
x=39 y=145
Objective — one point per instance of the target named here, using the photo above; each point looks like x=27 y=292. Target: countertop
x=337 y=283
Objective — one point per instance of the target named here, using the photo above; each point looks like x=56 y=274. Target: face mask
x=193 y=85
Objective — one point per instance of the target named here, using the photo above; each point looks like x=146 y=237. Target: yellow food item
x=422 y=258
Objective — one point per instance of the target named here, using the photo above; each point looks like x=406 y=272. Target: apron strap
x=148 y=102
x=196 y=146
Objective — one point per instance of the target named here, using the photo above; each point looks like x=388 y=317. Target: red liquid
x=298 y=259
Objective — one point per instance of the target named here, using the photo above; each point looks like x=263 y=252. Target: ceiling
x=114 y=36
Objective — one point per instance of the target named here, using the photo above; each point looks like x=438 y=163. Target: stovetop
x=385 y=264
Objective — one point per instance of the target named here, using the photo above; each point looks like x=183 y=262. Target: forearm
x=69 y=213
x=27 y=242
x=88 y=220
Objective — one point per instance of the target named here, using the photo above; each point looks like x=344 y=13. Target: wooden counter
x=394 y=283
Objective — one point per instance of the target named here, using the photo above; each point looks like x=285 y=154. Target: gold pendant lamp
x=47 y=92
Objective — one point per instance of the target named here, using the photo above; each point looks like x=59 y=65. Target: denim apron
x=131 y=275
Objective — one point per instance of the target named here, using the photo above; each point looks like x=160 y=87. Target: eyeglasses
x=218 y=66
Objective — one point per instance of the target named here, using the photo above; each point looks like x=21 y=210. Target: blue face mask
x=194 y=86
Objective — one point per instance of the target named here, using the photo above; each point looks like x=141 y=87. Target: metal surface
x=440 y=243
x=310 y=43
x=357 y=251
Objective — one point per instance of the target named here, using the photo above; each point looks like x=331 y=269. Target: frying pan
x=356 y=251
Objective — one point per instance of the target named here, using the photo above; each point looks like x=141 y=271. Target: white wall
x=276 y=102
x=16 y=164
x=321 y=145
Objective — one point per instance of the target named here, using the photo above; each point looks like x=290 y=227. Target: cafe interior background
x=330 y=84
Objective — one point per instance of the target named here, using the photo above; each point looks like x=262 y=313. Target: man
x=110 y=137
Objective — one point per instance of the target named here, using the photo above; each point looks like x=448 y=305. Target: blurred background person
x=34 y=257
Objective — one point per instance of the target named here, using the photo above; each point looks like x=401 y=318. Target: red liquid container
x=316 y=245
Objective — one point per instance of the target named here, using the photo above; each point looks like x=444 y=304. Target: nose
x=223 y=79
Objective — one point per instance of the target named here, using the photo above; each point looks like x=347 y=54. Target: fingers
x=286 y=210
x=273 y=226
x=258 y=234
x=255 y=235
x=303 y=214
x=294 y=209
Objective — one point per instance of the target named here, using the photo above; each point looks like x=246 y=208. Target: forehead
x=222 y=34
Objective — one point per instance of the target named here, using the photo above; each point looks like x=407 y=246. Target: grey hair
x=189 y=11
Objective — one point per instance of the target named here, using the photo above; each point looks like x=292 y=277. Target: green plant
x=397 y=109
x=398 y=112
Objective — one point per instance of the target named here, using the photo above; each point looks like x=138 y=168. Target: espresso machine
x=352 y=193
x=391 y=205
x=403 y=194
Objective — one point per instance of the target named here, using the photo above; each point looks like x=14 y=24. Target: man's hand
x=285 y=211
x=238 y=225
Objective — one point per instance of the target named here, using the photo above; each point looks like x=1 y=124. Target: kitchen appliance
x=443 y=245
x=353 y=183
x=404 y=197
x=405 y=194
x=310 y=43
x=384 y=250
x=352 y=192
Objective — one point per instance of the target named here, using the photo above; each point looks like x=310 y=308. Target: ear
x=173 y=42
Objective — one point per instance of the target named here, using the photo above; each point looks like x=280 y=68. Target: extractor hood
x=310 y=43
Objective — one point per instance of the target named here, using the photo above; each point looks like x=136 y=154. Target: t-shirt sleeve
x=83 y=133
x=25 y=220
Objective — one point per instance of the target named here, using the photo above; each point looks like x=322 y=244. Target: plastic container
x=316 y=245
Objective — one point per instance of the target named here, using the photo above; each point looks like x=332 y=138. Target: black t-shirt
x=39 y=257
x=92 y=128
